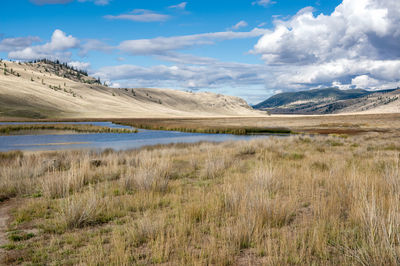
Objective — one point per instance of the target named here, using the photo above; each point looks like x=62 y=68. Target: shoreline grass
x=298 y=200
x=9 y=129
x=211 y=130
x=348 y=124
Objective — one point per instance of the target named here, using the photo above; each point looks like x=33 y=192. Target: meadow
x=327 y=200
x=351 y=124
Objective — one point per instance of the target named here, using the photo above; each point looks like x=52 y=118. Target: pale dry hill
x=52 y=90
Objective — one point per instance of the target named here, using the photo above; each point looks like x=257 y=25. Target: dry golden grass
x=350 y=124
x=151 y=173
x=319 y=124
x=297 y=200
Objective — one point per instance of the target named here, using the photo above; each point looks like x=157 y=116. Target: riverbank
x=351 y=124
x=80 y=128
x=295 y=200
x=300 y=124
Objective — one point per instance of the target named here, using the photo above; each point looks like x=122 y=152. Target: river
x=56 y=141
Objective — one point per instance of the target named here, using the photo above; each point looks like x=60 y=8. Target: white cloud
x=60 y=41
x=180 y=6
x=79 y=65
x=140 y=15
x=292 y=76
x=162 y=45
x=97 y=2
x=364 y=82
x=10 y=44
x=212 y=75
x=56 y=48
x=360 y=39
x=240 y=24
x=94 y=45
x=263 y=2
x=193 y=73
x=187 y=59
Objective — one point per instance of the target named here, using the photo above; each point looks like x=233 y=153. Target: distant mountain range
x=332 y=100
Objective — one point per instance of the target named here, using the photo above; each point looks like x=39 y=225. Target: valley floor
x=350 y=124
x=309 y=124
x=302 y=199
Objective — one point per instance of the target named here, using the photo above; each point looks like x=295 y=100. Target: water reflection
x=106 y=140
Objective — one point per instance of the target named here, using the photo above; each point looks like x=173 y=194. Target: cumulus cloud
x=364 y=81
x=162 y=45
x=56 y=48
x=10 y=44
x=342 y=71
x=180 y=6
x=140 y=15
x=240 y=24
x=358 y=44
x=79 y=65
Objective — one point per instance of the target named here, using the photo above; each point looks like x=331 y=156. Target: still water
x=114 y=141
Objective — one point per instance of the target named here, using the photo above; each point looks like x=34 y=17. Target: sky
x=247 y=48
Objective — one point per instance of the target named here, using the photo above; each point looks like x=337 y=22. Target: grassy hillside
x=48 y=89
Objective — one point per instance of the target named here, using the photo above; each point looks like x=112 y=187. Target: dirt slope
x=43 y=90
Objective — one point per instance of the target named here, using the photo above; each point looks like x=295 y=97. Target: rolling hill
x=332 y=101
x=48 y=89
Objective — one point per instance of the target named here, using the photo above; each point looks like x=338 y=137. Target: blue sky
x=251 y=49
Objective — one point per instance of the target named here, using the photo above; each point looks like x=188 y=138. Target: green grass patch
x=17 y=236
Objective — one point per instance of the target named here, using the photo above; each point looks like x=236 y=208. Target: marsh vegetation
x=343 y=124
x=82 y=128
x=154 y=124
x=297 y=200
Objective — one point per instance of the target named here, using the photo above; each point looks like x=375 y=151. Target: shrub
x=152 y=173
x=82 y=209
x=214 y=166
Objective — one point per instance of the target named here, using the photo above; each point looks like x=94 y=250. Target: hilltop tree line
x=57 y=64
x=61 y=69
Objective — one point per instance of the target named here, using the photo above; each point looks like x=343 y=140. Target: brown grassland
x=350 y=124
x=318 y=124
x=302 y=199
